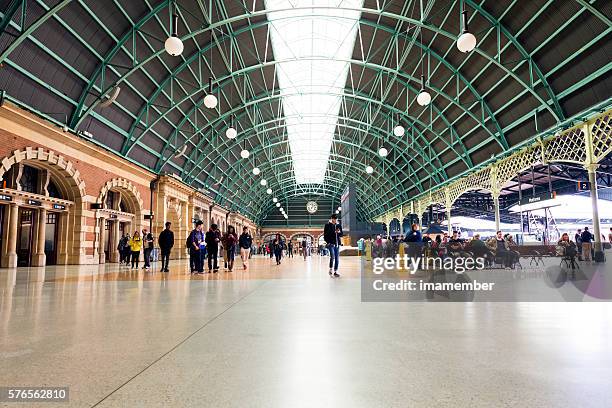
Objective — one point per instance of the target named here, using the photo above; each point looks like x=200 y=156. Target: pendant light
x=275 y=200
x=210 y=100
x=423 y=98
x=174 y=45
x=278 y=204
x=383 y=152
x=369 y=169
x=264 y=182
x=466 y=41
x=231 y=131
x=398 y=130
x=256 y=171
x=268 y=191
x=244 y=153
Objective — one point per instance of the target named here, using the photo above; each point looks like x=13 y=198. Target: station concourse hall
x=306 y=203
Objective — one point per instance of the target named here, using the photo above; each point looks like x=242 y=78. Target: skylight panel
x=311 y=82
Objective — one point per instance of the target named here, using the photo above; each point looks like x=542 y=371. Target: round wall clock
x=312 y=207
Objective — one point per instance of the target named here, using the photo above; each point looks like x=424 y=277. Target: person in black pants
x=290 y=249
x=331 y=234
x=213 y=237
x=148 y=248
x=166 y=242
x=196 y=247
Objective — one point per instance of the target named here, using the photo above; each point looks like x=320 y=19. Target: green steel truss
x=383 y=83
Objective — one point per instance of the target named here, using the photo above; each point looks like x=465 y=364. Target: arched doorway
x=121 y=214
x=40 y=207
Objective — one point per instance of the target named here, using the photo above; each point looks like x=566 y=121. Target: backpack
x=189 y=240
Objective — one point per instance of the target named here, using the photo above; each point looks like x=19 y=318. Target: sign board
x=112 y=216
x=538 y=198
x=33 y=202
x=584 y=186
x=4 y=197
x=148 y=216
x=59 y=207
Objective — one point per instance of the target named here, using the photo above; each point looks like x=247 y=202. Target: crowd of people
x=499 y=249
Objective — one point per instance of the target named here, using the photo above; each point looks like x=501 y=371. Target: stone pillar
x=592 y=169
x=102 y=241
x=39 y=258
x=10 y=260
x=114 y=254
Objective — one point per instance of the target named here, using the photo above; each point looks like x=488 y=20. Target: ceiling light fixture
x=268 y=191
x=174 y=45
x=383 y=152
x=369 y=169
x=264 y=182
x=210 y=100
x=256 y=171
x=466 y=41
x=231 y=131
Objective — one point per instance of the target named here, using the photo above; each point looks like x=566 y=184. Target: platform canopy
x=315 y=89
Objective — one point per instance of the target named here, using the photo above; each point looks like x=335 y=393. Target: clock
x=312 y=207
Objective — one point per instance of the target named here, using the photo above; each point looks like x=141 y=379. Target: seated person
x=502 y=250
x=566 y=247
x=454 y=245
x=478 y=248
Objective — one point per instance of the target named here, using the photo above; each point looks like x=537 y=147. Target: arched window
x=53 y=190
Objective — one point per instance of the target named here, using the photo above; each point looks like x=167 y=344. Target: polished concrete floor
x=289 y=336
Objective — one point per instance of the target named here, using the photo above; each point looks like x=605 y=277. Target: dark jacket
x=245 y=241
x=330 y=235
x=166 y=240
x=211 y=239
x=413 y=236
x=194 y=237
x=586 y=237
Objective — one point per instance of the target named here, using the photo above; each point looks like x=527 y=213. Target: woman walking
x=135 y=247
x=278 y=246
x=245 y=242
x=229 y=244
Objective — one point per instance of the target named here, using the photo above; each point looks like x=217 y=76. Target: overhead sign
x=538 y=202
x=33 y=202
x=584 y=186
x=538 y=198
x=4 y=197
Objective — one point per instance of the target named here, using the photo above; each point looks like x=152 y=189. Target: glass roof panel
x=307 y=40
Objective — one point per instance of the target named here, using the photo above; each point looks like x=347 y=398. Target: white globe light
x=278 y=204
x=244 y=153
x=275 y=200
x=369 y=170
x=263 y=182
x=399 y=131
x=231 y=133
x=282 y=210
x=383 y=152
x=337 y=212
x=210 y=101
x=466 y=42
x=174 y=46
x=269 y=191
x=256 y=171
x=339 y=208
x=286 y=217
x=423 y=98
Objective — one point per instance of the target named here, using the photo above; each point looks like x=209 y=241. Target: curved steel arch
x=78 y=117
x=274 y=143
x=193 y=57
x=234 y=170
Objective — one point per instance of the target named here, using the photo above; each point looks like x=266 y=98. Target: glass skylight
x=310 y=81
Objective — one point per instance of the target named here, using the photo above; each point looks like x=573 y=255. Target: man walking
x=196 y=246
x=587 y=244
x=290 y=249
x=148 y=248
x=213 y=237
x=331 y=234
x=166 y=242
x=304 y=244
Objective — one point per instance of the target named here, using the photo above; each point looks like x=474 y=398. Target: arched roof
x=536 y=64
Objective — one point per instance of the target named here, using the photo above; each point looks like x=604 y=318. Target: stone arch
x=302 y=233
x=273 y=234
x=54 y=161
x=71 y=246
x=126 y=185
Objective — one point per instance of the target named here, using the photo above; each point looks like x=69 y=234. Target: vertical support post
x=39 y=258
x=448 y=205
x=496 y=208
x=591 y=166
x=520 y=193
x=10 y=260
x=102 y=241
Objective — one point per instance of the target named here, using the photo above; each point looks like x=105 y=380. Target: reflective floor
x=289 y=336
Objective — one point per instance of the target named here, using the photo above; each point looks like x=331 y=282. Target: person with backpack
x=278 y=245
x=213 y=237
x=166 y=242
x=196 y=248
x=135 y=245
x=121 y=247
x=587 y=244
x=245 y=242
x=229 y=245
